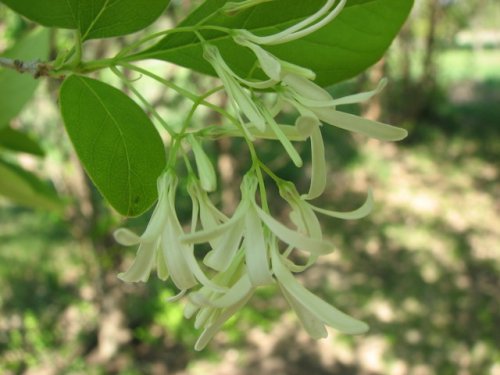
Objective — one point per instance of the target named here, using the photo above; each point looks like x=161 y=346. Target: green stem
x=143 y=100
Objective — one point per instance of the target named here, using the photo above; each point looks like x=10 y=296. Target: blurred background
x=422 y=270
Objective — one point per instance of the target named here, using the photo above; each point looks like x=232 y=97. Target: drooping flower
x=214 y=308
x=257 y=113
x=305 y=94
x=312 y=311
x=206 y=171
x=314 y=22
x=234 y=7
x=160 y=242
x=244 y=230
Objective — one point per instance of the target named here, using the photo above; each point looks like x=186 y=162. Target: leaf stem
x=143 y=100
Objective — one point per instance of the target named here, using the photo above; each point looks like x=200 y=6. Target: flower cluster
x=251 y=248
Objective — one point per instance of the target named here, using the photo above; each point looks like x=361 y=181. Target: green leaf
x=15 y=140
x=117 y=143
x=93 y=18
x=25 y=188
x=352 y=42
x=17 y=89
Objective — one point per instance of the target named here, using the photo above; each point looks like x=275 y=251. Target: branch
x=35 y=68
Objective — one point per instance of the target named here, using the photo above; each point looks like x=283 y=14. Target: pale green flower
x=239 y=97
x=313 y=312
x=305 y=94
x=234 y=6
x=244 y=230
x=272 y=66
x=206 y=171
x=213 y=308
x=161 y=243
x=303 y=28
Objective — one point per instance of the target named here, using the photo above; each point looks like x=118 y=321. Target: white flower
x=305 y=27
x=149 y=242
x=233 y=7
x=161 y=243
x=272 y=66
x=206 y=171
x=306 y=95
x=214 y=308
x=239 y=97
x=313 y=312
x=257 y=113
x=243 y=229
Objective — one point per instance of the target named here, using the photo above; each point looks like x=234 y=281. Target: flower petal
x=359 y=213
x=269 y=63
x=297 y=240
x=206 y=171
x=314 y=327
x=360 y=97
x=361 y=125
x=221 y=256
x=318 y=172
x=209 y=234
x=161 y=266
x=126 y=237
x=217 y=323
x=313 y=304
x=257 y=260
x=304 y=88
x=143 y=262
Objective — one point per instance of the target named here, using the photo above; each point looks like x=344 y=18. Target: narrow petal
x=283 y=36
x=217 y=324
x=315 y=305
x=205 y=317
x=314 y=327
x=126 y=237
x=304 y=88
x=291 y=151
x=302 y=214
x=268 y=62
x=297 y=240
x=318 y=172
x=257 y=259
x=318 y=25
x=209 y=234
x=361 y=125
x=161 y=266
x=222 y=256
x=143 y=262
x=157 y=220
x=235 y=294
x=359 y=213
x=190 y=309
x=206 y=171
x=362 y=96
x=242 y=99
x=177 y=265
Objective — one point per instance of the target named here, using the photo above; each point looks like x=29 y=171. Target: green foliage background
x=422 y=270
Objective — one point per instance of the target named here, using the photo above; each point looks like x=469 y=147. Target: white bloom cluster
x=245 y=248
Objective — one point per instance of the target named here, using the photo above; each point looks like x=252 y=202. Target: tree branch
x=35 y=68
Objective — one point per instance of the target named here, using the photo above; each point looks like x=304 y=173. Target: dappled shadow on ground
x=423 y=270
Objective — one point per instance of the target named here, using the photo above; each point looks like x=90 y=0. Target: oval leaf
x=94 y=18
x=25 y=188
x=352 y=42
x=118 y=145
x=17 y=89
x=14 y=140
